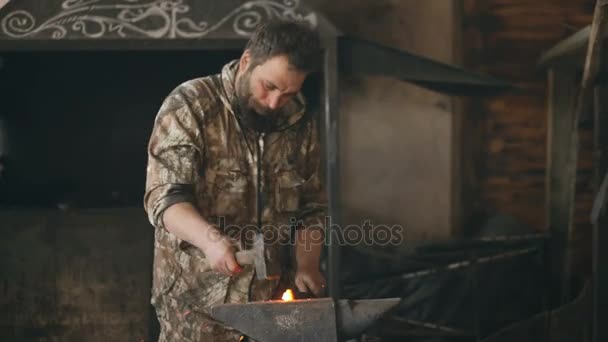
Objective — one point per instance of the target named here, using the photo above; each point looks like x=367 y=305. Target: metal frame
x=583 y=51
x=36 y=45
x=331 y=140
x=471 y=253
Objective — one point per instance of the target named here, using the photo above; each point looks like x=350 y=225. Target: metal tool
x=259 y=256
x=304 y=320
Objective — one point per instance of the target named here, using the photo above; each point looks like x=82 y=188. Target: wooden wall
x=507 y=134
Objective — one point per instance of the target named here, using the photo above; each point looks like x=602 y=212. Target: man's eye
x=286 y=96
x=269 y=86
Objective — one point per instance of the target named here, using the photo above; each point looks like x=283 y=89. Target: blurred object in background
x=4 y=148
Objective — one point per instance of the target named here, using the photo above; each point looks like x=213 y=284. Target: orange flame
x=287 y=295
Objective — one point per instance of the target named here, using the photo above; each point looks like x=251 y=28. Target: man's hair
x=300 y=43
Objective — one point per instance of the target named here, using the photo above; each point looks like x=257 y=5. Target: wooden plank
x=590 y=72
x=600 y=133
x=600 y=227
x=567 y=48
x=561 y=101
x=569 y=52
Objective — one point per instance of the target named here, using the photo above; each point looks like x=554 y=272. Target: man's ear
x=245 y=61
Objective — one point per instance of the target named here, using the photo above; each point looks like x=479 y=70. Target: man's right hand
x=219 y=252
x=184 y=221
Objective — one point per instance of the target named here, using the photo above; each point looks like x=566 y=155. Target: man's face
x=265 y=88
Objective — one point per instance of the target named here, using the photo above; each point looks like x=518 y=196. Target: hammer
x=258 y=256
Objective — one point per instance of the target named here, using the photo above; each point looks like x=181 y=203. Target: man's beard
x=250 y=116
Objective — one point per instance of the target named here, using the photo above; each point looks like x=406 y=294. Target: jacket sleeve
x=313 y=209
x=175 y=153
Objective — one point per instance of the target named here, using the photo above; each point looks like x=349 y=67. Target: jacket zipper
x=259 y=198
x=260 y=187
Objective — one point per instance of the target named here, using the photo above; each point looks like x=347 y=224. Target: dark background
x=80 y=121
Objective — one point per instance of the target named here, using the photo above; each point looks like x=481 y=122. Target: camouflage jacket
x=239 y=179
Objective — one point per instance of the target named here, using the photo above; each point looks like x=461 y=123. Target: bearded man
x=233 y=154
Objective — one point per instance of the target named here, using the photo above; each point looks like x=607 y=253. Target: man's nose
x=273 y=101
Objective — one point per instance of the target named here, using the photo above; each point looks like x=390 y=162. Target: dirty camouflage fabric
x=200 y=152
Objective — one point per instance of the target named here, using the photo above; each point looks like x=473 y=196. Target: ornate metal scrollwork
x=145 y=18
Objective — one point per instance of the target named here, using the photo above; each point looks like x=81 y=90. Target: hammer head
x=266 y=260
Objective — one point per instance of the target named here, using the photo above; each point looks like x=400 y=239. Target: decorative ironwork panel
x=133 y=19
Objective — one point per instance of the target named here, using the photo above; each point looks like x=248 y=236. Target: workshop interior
x=462 y=156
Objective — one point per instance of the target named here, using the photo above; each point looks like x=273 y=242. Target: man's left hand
x=310 y=279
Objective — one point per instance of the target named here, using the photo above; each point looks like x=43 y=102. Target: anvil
x=318 y=320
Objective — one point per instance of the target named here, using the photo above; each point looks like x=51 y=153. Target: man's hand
x=185 y=222
x=219 y=251
x=310 y=279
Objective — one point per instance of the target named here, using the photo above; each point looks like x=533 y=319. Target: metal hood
x=195 y=25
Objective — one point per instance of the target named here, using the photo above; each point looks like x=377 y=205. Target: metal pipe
x=454 y=266
x=331 y=148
